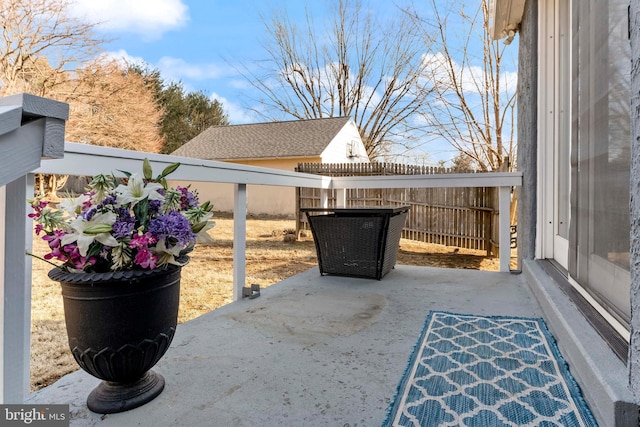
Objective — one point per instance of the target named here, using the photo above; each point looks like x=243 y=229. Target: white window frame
x=548 y=243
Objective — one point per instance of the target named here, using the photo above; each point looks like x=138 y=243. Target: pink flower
x=57 y=251
x=75 y=259
x=87 y=204
x=57 y=254
x=82 y=262
x=54 y=239
x=142 y=241
x=145 y=259
x=38 y=207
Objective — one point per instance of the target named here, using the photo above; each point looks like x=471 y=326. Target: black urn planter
x=119 y=325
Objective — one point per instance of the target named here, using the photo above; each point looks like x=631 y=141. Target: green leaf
x=146 y=169
x=98 y=229
x=94 y=249
x=169 y=169
x=141 y=211
x=196 y=228
x=207 y=206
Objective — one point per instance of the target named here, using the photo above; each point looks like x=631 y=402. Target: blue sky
x=199 y=42
x=194 y=41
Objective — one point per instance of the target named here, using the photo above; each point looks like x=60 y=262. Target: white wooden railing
x=28 y=147
x=82 y=159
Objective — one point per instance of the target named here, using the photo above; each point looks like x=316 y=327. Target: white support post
x=504 y=206
x=15 y=278
x=5 y=383
x=239 y=240
x=324 y=198
x=341 y=198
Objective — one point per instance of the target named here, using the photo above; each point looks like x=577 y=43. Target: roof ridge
x=283 y=121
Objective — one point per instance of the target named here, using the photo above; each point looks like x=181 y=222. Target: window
x=600 y=153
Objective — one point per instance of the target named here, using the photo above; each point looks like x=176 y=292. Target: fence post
x=341 y=198
x=239 y=240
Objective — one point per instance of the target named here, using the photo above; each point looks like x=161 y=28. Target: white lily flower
x=84 y=240
x=136 y=190
x=165 y=258
x=161 y=248
x=73 y=206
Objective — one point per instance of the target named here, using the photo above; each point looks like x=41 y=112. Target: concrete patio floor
x=310 y=351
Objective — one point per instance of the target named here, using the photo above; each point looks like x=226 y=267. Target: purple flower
x=89 y=214
x=111 y=200
x=90 y=211
x=173 y=228
x=154 y=207
x=188 y=199
x=124 y=225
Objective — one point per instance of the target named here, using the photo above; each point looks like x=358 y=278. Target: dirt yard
x=207 y=281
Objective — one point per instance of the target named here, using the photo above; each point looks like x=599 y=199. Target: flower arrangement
x=140 y=224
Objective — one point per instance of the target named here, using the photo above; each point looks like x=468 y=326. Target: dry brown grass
x=207 y=281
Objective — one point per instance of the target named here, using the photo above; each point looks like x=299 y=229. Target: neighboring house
x=278 y=145
x=574 y=149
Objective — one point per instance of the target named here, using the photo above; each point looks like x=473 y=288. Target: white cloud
x=179 y=69
x=471 y=78
x=510 y=79
x=240 y=84
x=237 y=114
x=148 y=18
x=122 y=56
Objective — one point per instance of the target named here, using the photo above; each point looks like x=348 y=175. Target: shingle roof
x=297 y=138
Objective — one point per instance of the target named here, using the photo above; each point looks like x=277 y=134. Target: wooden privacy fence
x=461 y=217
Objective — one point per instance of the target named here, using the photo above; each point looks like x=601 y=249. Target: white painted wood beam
x=16 y=290
x=239 y=240
x=21 y=151
x=504 y=225
x=89 y=160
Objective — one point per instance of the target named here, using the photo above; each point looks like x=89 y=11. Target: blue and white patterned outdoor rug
x=481 y=371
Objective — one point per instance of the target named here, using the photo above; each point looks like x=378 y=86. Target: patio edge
x=602 y=377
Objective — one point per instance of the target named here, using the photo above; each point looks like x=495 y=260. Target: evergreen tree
x=184 y=114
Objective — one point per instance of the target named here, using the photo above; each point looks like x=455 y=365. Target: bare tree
x=474 y=105
x=42 y=43
x=368 y=70
x=112 y=106
x=33 y=30
x=39 y=39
